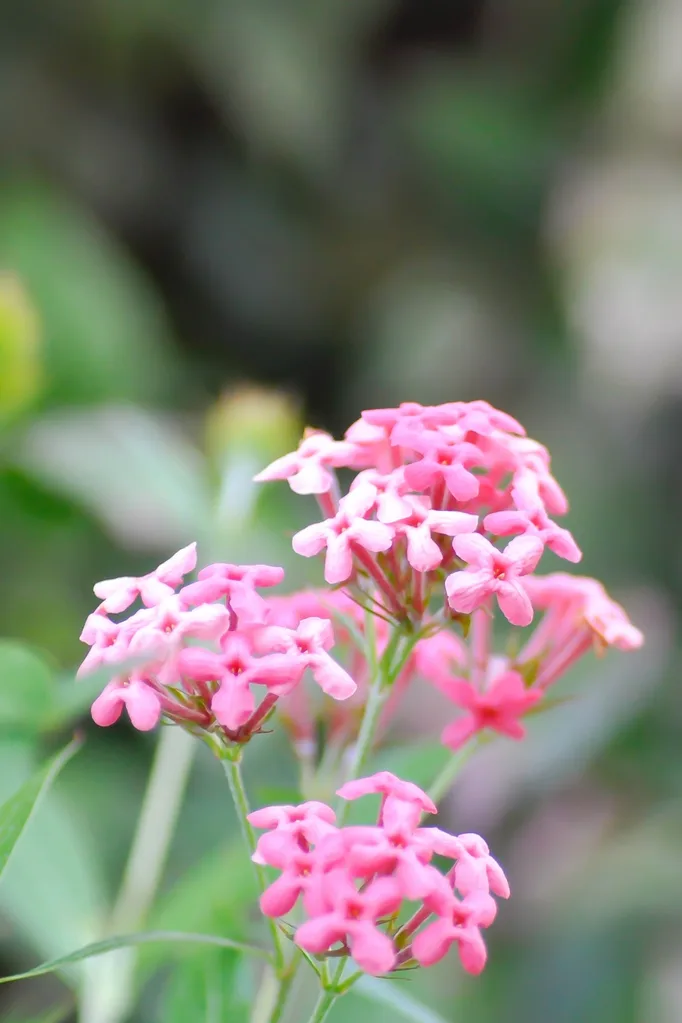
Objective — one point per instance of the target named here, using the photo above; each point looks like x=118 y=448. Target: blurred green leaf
x=207 y=990
x=392 y=993
x=16 y=811
x=98 y=948
x=21 y=369
x=215 y=894
x=27 y=687
x=105 y=332
x=133 y=470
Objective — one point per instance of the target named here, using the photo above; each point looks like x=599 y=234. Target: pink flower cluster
x=160 y=670
x=434 y=484
x=354 y=881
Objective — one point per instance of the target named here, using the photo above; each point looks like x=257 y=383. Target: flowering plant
x=430 y=561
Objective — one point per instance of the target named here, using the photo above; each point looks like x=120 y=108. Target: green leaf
x=98 y=948
x=384 y=992
x=15 y=813
x=208 y=990
x=27 y=689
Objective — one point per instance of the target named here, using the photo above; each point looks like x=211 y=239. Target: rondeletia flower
x=197 y=657
x=493 y=572
x=353 y=881
x=426 y=474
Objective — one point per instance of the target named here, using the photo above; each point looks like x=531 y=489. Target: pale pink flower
x=119 y=594
x=386 y=784
x=498 y=708
x=391 y=488
x=423 y=553
x=306 y=647
x=530 y=517
x=348 y=529
x=495 y=572
x=237 y=584
x=307 y=469
x=140 y=700
x=444 y=460
x=351 y=917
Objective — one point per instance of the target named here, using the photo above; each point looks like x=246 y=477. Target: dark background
x=350 y=203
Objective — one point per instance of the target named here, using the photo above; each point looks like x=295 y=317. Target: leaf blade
x=97 y=948
x=383 y=992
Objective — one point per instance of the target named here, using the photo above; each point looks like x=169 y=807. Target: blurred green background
x=351 y=203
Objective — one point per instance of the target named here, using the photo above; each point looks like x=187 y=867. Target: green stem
x=444 y=781
x=375 y=704
x=232 y=768
x=107 y=989
x=323 y=1006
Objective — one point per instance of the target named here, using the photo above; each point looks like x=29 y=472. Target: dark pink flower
x=495 y=572
x=351 y=917
x=499 y=707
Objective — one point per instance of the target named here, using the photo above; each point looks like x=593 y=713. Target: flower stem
x=444 y=781
x=323 y=1006
x=107 y=984
x=232 y=768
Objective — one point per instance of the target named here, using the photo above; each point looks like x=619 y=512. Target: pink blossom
x=444 y=459
x=307 y=469
x=306 y=647
x=461 y=926
x=494 y=572
x=140 y=700
x=387 y=784
x=351 y=917
x=530 y=518
x=119 y=594
x=477 y=870
x=391 y=488
x=237 y=584
x=499 y=707
x=423 y=553
x=348 y=529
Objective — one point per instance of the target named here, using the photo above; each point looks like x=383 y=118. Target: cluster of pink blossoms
x=417 y=554
x=211 y=688
x=353 y=881
x=435 y=490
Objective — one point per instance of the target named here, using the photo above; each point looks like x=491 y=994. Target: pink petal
x=475 y=550
x=472 y=951
x=467 y=590
x=373 y=536
x=312 y=478
x=143 y=706
x=316 y=631
x=433 y=943
x=233 y=704
x=338 y=563
x=281 y=896
x=331 y=677
x=372 y=950
x=458 y=732
x=106 y=710
x=461 y=483
x=423 y=553
x=514 y=602
x=311 y=540
x=176 y=567
x=524 y=552
x=452 y=523
x=280 y=469
x=319 y=934
x=383 y=897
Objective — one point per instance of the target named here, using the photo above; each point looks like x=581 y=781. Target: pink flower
x=351 y=917
x=140 y=700
x=387 y=784
x=237 y=584
x=498 y=708
x=494 y=572
x=391 y=488
x=306 y=647
x=307 y=470
x=444 y=459
x=119 y=594
x=423 y=553
x=348 y=529
x=530 y=518
x=476 y=869
x=461 y=926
